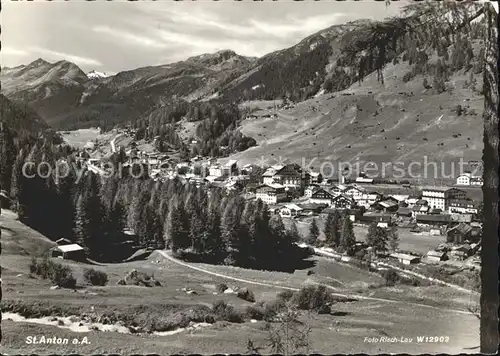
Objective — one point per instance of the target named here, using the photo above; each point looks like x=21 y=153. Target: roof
x=312 y=206
x=436 y=253
x=462 y=202
x=269 y=172
x=403 y=256
x=292 y=206
x=404 y=211
x=387 y=204
x=434 y=218
x=420 y=208
x=69 y=248
x=462 y=228
x=230 y=163
x=436 y=189
x=399 y=197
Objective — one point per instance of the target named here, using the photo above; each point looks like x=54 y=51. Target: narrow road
x=354 y=296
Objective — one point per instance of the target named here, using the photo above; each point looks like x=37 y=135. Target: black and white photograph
x=249 y=177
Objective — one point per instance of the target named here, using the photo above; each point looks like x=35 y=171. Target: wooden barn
x=68 y=252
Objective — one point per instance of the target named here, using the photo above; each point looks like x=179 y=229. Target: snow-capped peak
x=96 y=75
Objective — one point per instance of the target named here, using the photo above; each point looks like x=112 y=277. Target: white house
x=467 y=179
x=405 y=258
x=464 y=179
x=310 y=190
x=369 y=198
x=461 y=206
x=271 y=194
x=355 y=192
x=438 y=197
x=290 y=210
x=269 y=175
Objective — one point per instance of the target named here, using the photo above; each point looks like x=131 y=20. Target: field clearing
x=408 y=241
x=80 y=138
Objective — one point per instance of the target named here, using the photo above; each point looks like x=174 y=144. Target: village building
x=310 y=209
x=315 y=178
x=433 y=220
x=271 y=194
x=411 y=201
x=459 y=217
x=439 y=197
x=322 y=196
x=342 y=201
x=310 y=190
x=68 y=252
x=404 y=212
x=269 y=176
x=292 y=176
x=436 y=256
x=290 y=210
x=382 y=220
x=369 y=198
x=364 y=180
x=63 y=241
x=459 y=233
x=405 y=258
x=463 y=206
x=355 y=192
x=386 y=205
x=401 y=198
x=353 y=214
x=467 y=179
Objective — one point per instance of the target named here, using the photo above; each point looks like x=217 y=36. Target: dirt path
x=360 y=297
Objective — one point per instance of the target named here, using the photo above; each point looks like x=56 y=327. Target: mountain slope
x=395 y=122
x=20 y=118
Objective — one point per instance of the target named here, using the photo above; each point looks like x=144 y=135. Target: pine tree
x=313 y=232
x=230 y=230
x=348 y=237
x=331 y=229
x=173 y=231
x=377 y=238
x=294 y=232
x=393 y=239
x=82 y=225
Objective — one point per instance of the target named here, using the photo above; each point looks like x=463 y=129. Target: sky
x=115 y=36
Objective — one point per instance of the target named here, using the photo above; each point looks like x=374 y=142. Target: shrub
x=246 y=294
x=223 y=311
x=271 y=309
x=411 y=281
x=94 y=277
x=63 y=277
x=221 y=287
x=391 y=277
x=312 y=298
x=57 y=273
x=253 y=312
x=285 y=295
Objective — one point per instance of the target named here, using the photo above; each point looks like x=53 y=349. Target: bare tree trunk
x=489 y=254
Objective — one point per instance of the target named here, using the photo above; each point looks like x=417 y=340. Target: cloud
x=10 y=51
x=295 y=26
x=55 y=55
x=129 y=37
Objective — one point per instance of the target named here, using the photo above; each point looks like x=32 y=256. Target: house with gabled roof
x=459 y=233
x=322 y=196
